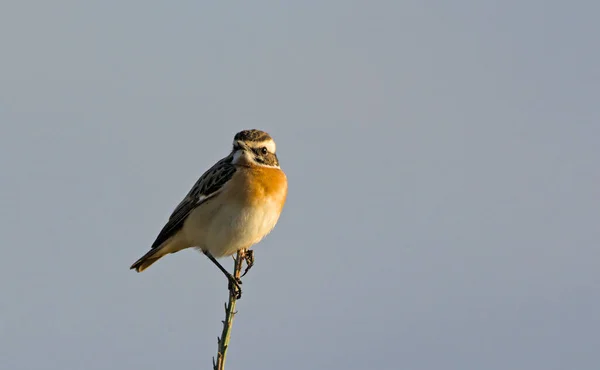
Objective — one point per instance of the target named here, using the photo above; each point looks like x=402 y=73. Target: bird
x=232 y=206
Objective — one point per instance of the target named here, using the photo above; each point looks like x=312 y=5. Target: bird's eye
x=264 y=150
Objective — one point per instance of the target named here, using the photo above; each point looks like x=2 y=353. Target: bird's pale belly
x=231 y=227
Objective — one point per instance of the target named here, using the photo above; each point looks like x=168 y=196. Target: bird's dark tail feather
x=146 y=260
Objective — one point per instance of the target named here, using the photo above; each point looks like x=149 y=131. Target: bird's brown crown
x=252 y=135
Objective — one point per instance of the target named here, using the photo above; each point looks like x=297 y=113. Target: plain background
x=443 y=162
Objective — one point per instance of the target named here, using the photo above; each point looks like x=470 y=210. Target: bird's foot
x=249 y=258
x=234 y=287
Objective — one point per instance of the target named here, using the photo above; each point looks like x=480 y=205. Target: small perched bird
x=233 y=205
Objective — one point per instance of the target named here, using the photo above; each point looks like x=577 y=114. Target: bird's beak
x=241 y=145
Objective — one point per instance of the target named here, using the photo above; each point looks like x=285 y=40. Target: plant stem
x=223 y=341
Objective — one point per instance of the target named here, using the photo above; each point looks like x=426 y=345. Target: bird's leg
x=249 y=258
x=233 y=282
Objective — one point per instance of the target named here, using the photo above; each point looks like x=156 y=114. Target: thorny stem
x=223 y=340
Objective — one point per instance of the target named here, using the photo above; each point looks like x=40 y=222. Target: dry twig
x=223 y=340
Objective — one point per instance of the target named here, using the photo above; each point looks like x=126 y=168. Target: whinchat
x=233 y=205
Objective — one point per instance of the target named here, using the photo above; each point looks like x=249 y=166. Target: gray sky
x=443 y=164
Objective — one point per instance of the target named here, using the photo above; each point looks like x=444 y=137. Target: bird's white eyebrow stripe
x=270 y=144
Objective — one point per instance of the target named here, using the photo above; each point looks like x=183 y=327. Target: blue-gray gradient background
x=443 y=162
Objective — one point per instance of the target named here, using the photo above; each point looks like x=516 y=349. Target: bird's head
x=254 y=147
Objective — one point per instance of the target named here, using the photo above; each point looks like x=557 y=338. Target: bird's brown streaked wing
x=209 y=185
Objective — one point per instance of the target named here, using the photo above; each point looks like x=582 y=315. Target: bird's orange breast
x=255 y=185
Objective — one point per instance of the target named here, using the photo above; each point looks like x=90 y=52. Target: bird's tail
x=147 y=259
x=171 y=245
